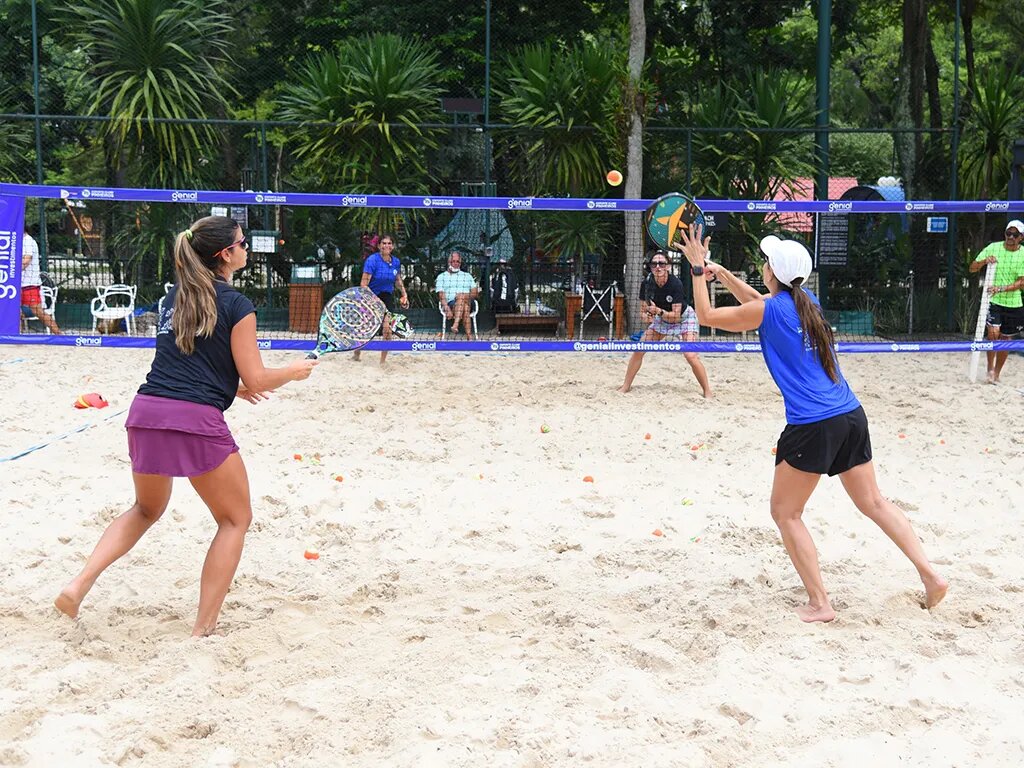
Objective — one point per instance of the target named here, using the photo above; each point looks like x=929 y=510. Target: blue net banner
x=427 y=202
x=12 y=230
x=707 y=347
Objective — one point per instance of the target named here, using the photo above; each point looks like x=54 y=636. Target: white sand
x=526 y=618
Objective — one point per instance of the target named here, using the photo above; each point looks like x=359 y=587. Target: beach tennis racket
x=670 y=215
x=349 y=321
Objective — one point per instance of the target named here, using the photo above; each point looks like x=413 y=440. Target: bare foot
x=355 y=356
x=990 y=378
x=68 y=604
x=623 y=389
x=934 y=590
x=708 y=394
x=811 y=613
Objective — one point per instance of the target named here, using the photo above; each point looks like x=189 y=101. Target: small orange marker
x=657 y=532
x=590 y=479
x=942 y=442
x=775 y=450
x=339 y=478
x=297 y=457
x=311 y=554
x=647 y=436
x=901 y=436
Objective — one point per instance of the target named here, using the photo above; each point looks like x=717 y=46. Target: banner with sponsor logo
x=462 y=347
x=12 y=228
x=360 y=200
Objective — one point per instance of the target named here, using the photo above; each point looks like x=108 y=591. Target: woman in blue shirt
x=826 y=428
x=382 y=274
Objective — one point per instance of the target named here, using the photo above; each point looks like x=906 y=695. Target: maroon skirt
x=176 y=438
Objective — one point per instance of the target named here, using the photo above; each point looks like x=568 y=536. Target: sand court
x=475 y=602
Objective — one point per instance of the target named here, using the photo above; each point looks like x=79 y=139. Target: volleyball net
x=553 y=274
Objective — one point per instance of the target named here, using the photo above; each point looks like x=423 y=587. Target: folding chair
x=603 y=302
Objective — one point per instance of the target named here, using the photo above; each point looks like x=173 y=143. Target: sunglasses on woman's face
x=1013 y=234
x=243 y=242
x=659 y=263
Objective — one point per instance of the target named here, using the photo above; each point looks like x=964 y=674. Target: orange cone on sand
x=91 y=400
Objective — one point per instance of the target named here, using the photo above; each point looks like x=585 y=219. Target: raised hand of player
x=695 y=250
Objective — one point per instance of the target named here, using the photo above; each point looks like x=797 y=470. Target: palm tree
x=570 y=102
x=15 y=140
x=766 y=153
x=148 y=61
x=996 y=119
x=365 y=88
x=151 y=60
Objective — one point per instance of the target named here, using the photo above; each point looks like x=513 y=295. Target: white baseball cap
x=1016 y=224
x=788 y=259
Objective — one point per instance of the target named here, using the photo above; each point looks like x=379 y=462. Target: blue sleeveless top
x=809 y=394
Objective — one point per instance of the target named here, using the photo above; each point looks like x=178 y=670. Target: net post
x=979 y=328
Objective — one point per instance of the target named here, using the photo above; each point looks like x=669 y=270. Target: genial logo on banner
x=8 y=264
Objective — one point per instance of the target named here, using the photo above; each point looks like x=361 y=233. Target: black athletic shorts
x=1009 y=319
x=830 y=446
x=389 y=301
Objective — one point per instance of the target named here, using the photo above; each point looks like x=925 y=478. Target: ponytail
x=817 y=332
x=195 y=263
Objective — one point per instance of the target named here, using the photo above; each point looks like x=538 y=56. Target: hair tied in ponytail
x=188 y=235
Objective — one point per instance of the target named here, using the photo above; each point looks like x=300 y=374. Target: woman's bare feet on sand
x=68 y=602
x=934 y=590
x=811 y=613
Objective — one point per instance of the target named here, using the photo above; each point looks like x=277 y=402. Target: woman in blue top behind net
x=826 y=428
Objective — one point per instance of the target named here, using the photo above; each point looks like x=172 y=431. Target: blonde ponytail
x=195 y=263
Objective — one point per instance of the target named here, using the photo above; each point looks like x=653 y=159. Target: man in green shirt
x=1005 y=312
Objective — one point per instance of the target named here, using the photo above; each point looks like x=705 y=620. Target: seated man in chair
x=456 y=291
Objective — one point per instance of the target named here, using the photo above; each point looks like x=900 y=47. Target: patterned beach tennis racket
x=671 y=214
x=349 y=321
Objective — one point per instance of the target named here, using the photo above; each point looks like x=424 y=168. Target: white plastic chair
x=49 y=297
x=474 y=308
x=102 y=308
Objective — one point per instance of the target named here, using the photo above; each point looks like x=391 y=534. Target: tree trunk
x=635 y=160
x=915 y=32
x=967 y=8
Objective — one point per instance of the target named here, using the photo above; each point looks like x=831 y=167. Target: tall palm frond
x=365 y=87
x=152 y=60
